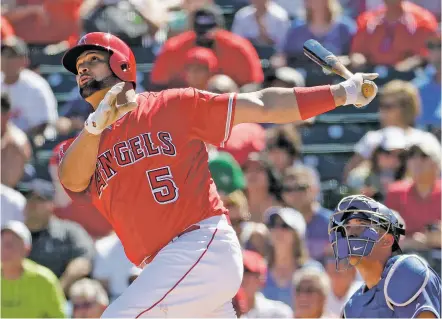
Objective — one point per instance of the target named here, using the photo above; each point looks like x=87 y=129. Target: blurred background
x=280 y=182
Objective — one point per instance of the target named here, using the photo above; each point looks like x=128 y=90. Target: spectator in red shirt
x=393 y=35
x=237 y=58
x=6 y=29
x=201 y=64
x=419 y=200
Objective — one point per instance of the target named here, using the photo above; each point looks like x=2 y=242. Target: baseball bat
x=320 y=55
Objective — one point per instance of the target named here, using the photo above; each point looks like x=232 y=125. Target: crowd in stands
x=60 y=258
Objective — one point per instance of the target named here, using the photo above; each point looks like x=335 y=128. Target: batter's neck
x=97 y=97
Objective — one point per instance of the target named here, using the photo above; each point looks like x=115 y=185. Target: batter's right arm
x=78 y=163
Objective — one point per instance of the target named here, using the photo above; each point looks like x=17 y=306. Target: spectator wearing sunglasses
x=263 y=188
x=387 y=165
x=300 y=191
x=89 y=299
x=418 y=200
x=62 y=246
x=399 y=106
x=258 y=306
x=429 y=85
x=311 y=288
x=287 y=252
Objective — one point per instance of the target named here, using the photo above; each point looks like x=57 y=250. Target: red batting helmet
x=122 y=60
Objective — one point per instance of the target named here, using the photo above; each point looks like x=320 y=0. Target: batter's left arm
x=283 y=105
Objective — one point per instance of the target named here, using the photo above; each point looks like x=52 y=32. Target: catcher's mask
x=358 y=239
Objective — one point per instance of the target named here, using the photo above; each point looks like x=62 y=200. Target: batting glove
x=108 y=112
x=353 y=88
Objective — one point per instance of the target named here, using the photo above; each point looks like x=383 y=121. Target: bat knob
x=368 y=89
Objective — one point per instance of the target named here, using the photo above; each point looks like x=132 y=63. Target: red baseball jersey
x=152 y=179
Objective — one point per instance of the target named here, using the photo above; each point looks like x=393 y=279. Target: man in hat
x=33 y=104
x=255 y=274
x=62 y=246
x=237 y=58
x=29 y=290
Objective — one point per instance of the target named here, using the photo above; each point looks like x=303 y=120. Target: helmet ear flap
x=120 y=66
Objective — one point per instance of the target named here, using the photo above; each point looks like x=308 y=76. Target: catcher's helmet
x=122 y=60
x=358 y=241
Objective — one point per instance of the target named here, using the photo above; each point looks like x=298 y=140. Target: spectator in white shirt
x=258 y=306
x=111 y=266
x=343 y=285
x=12 y=205
x=263 y=22
x=33 y=104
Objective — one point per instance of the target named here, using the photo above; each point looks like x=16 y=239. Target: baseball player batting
x=365 y=234
x=141 y=159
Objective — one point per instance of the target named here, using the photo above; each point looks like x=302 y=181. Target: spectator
x=89 y=299
x=7 y=30
x=311 y=288
x=33 y=104
x=394 y=35
x=200 y=64
x=62 y=246
x=300 y=191
x=343 y=285
x=222 y=84
x=419 y=200
x=258 y=306
x=16 y=149
x=263 y=186
x=285 y=77
x=429 y=85
x=236 y=203
x=284 y=146
x=28 y=289
x=226 y=173
x=237 y=58
x=428 y=245
x=399 y=105
x=287 y=252
x=323 y=22
x=263 y=22
x=81 y=212
x=12 y=205
x=34 y=21
x=387 y=165
x=256 y=237
x=245 y=138
x=111 y=266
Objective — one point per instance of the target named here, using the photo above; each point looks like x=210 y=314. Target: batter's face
x=94 y=73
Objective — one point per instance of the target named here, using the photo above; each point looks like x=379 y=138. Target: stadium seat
x=347 y=133
x=328 y=159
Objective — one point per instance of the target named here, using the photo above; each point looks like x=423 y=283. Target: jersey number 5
x=163 y=187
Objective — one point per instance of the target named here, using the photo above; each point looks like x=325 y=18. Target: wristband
x=313 y=101
x=351 y=91
x=90 y=125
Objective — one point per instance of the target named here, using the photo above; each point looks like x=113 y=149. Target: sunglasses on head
x=295 y=188
x=417 y=153
x=387 y=106
x=83 y=305
x=277 y=223
x=306 y=289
